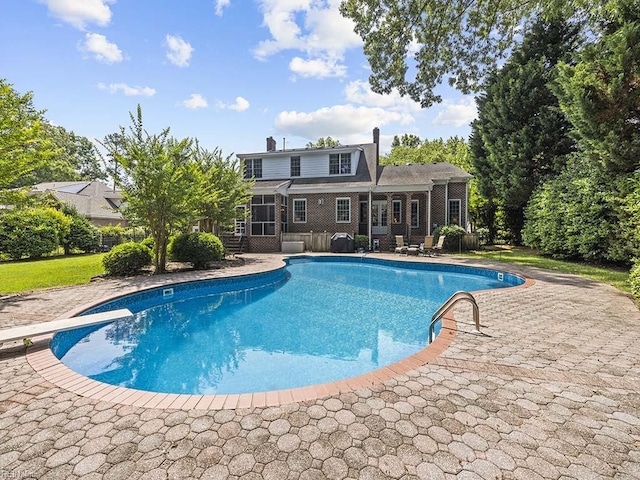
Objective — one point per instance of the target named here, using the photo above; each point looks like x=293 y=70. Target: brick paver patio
x=551 y=391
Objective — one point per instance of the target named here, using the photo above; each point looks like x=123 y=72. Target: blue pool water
x=316 y=321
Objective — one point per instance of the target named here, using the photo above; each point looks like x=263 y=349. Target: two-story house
x=345 y=189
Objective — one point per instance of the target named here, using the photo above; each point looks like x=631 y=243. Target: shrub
x=361 y=241
x=634 y=279
x=148 y=242
x=454 y=234
x=196 y=248
x=484 y=235
x=82 y=236
x=62 y=222
x=28 y=233
x=126 y=259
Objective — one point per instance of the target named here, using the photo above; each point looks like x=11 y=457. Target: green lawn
x=618 y=277
x=49 y=272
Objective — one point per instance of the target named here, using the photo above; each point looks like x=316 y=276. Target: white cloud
x=360 y=92
x=101 y=48
x=241 y=104
x=195 y=101
x=316 y=29
x=80 y=13
x=179 y=52
x=345 y=122
x=220 y=6
x=457 y=114
x=127 y=90
x=317 y=68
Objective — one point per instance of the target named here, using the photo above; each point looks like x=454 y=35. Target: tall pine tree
x=522 y=134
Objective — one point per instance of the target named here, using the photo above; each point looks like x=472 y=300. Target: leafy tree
x=159 y=182
x=223 y=188
x=24 y=145
x=457 y=40
x=524 y=134
x=411 y=150
x=324 y=143
x=601 y=93
x=75 y=159
x=114 y=144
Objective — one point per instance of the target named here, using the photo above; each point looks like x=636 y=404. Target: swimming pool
x=318 y=320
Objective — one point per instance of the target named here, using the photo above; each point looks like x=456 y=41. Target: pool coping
x=47 y=365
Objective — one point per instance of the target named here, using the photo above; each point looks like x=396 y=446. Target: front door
x=379 y=217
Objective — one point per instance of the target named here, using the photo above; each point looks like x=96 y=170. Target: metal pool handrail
x=449 y=304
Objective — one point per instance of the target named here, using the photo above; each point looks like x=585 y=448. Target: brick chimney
x=376 y=140
x=271 y=144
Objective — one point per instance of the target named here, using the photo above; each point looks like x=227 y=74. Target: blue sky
x=228 y=72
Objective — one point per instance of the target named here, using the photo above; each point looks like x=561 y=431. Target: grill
x=342 y=243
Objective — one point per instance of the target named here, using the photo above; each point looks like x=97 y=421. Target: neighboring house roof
x=93 y=200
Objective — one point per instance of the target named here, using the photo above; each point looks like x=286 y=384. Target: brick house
x=345 y=189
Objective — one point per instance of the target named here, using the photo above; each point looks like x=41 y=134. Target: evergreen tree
x=601 y=94
x=524 y=134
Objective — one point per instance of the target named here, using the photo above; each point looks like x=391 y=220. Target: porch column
x=369 y=219
x=466 y=207
x=389 y=218
x=407 y=220
x=429 y=212
x=446 y=203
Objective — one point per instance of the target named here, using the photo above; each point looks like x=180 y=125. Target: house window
x=300 y=210
x=343 y=210
x=339 y=163
x=454 y=212
x=252 y=168
x=263 y=215
x=396 y=211
x=415 y=213
x=295 y=166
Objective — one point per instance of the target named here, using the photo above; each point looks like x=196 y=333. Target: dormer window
x=295 y=166
x=253 y=168
x=339 y=163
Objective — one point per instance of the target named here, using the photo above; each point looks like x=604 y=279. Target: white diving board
x=28 y=331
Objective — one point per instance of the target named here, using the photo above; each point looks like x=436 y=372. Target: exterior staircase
x=233 y=245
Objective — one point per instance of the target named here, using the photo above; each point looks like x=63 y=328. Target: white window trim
x=348 y=199
x=451 y=200
x=301 y=200
x=417 y=203
x=393 y=211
